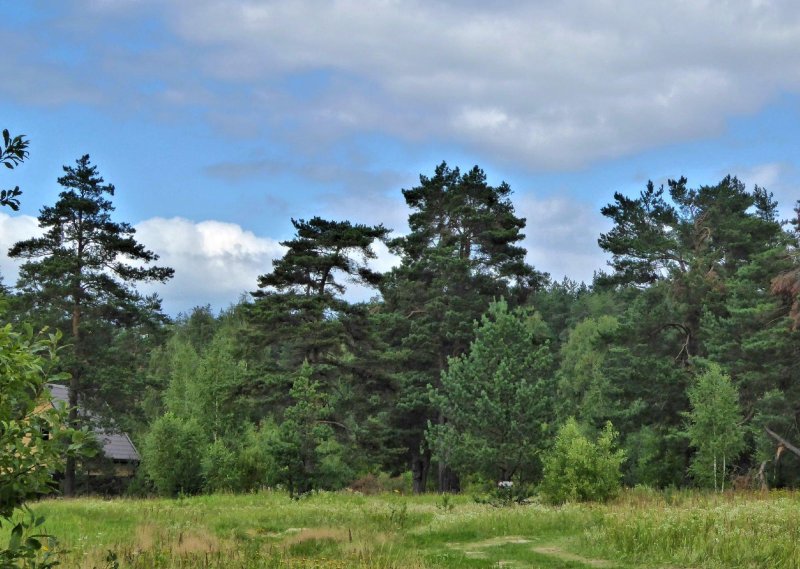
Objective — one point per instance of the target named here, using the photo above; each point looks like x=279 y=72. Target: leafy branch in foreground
x=12 y=154
x=33 y=439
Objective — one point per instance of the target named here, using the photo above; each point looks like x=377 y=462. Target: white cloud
x=479 y=119
x=215 y=262
x=543 y=85
x=764 y=175
x=561 y=237
x=13 y=229
x=546 y=84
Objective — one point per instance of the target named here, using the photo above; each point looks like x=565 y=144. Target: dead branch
x=783 y=444
x=685 y=330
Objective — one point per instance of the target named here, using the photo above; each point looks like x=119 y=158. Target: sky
x=220 y=121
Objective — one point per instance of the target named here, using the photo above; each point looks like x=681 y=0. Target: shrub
x=34 y=439
x=367 y=485
x=371 y=484
x=172 y=454
x=221 y=468
x=255 y=463
x=577 y=469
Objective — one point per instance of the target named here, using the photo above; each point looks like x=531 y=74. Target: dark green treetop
x=320 y=250
x=303 y=291
x=84 y=258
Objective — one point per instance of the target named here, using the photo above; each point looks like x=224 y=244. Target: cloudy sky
x=218 y=121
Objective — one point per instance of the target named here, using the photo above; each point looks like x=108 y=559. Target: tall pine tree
x=80 y=274
x=461 y=253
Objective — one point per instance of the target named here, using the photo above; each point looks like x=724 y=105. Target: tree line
x=468 y=366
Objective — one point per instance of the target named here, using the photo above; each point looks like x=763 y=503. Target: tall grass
x=343 y=530
x=741 y=530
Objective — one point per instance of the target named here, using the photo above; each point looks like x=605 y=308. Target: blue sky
x=218 y=121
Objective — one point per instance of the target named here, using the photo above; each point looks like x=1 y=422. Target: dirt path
x=567 y=556
x=478 y=550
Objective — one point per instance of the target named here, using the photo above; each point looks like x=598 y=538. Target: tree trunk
x=448 y=479
x=762 y=479
x=724 y=467
x=420 y=466
x=715 y=473
x=74 y=390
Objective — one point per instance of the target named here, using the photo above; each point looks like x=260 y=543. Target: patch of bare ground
x=196 y=542
x=320 y=534
x=567 y=556
x=151 y=536
x=493 y=542
x=473 y=549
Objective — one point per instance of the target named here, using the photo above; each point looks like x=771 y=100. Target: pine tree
x=462 y=252
x=497 y=398
x=81 y=272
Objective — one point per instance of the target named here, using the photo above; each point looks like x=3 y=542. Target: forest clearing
x=641 y=528
x=400 y=285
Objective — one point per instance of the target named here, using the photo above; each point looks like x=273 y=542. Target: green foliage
x=209 y=392
x=714 y=428
x=244 y=464
x=577 y=469
x=33 y=434
x=496 y=399
x=297 y=306
x=13 y=152
x=656 y=457
x=462 y=252
x=29 y=546
x=584 y=387
x=220 y=468
x=34 y=440
x=172 y=455
x=306 y=455
x=255 y=462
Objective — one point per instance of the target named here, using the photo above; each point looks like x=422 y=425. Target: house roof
x=116 y=445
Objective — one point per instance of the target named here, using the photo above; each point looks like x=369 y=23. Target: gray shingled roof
x=116 y=446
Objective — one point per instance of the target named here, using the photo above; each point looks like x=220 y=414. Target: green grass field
x=340 y=530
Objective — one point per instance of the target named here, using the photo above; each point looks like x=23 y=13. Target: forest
x=467 y=368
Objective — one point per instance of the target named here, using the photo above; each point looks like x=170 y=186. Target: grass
x=344 y=530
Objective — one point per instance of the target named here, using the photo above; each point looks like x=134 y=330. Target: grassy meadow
x=342 y=530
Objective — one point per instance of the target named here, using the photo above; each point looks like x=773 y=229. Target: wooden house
x=117 y=449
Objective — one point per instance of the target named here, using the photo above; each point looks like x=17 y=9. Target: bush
x=255 y=463
x=371 y=484
x=221 y=468
x=34 y=439
x=577 y=469
x=172 y=454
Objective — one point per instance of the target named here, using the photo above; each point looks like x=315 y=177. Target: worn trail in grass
x=342 y=530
